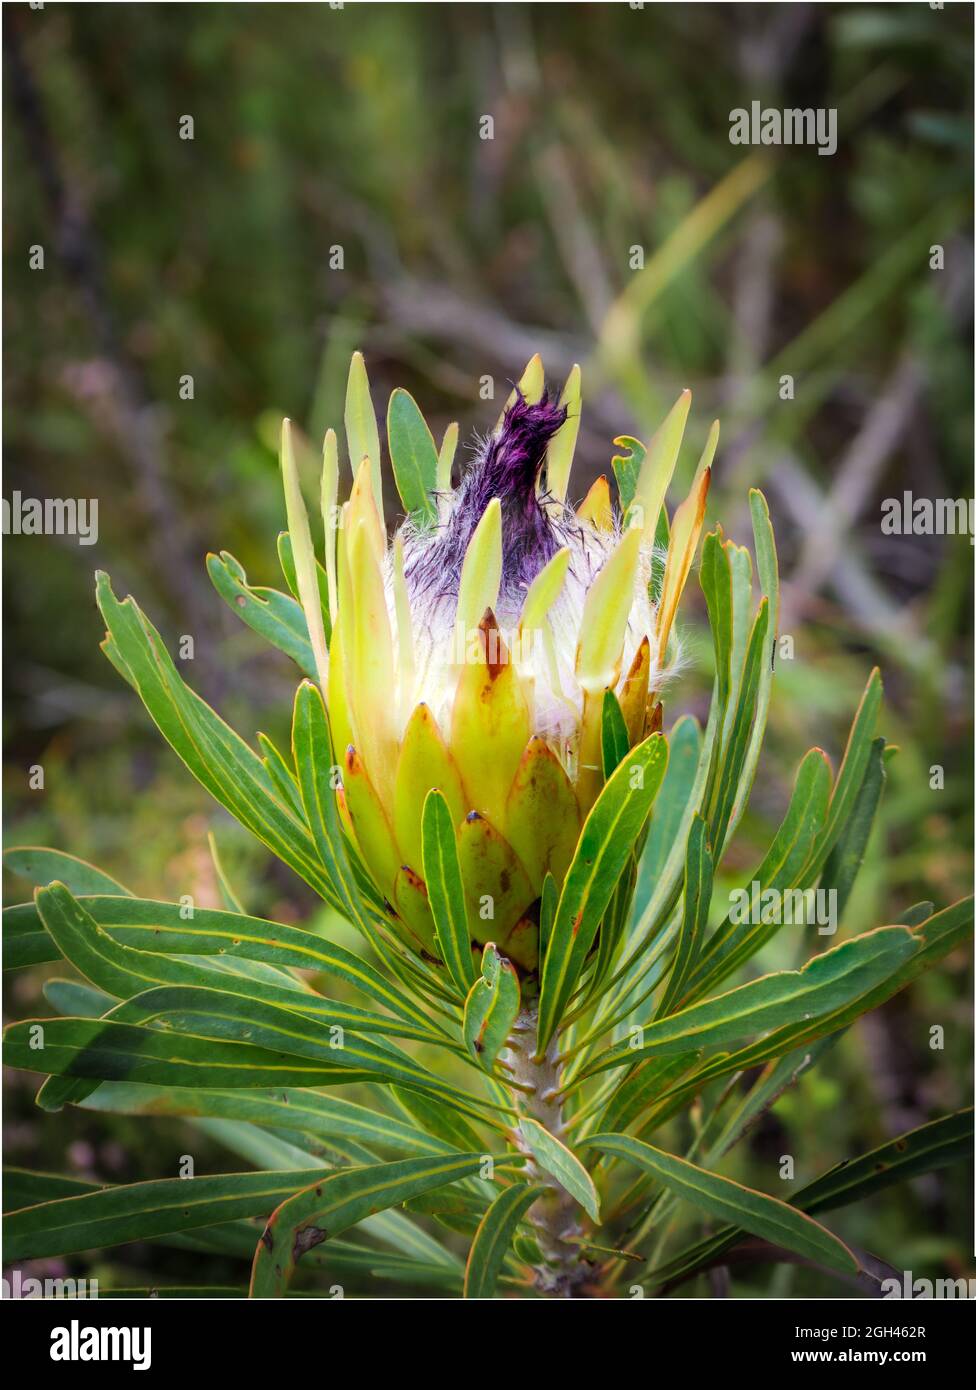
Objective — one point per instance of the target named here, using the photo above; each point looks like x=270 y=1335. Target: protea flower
x=473 y=654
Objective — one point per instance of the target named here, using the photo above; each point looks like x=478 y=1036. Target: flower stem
x=562 y=1272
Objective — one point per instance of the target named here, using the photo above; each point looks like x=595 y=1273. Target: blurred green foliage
x=316 y=128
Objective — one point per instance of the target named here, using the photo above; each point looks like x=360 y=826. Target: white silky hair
x=439 y=650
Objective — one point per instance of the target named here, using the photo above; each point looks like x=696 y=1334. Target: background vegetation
x=358 y=128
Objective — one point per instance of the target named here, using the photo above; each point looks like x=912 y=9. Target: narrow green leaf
x=626 y=469
x=635 y=1095
x=548 y=903
x=935 y=1145
x=286 y=559
x=413 y=454
x=734 y=942
x=938 y=1144
x=318 y=776
x=493 y=1239
x=209 y=1044
x=826 y=983
x=613 y=734
x=562 y=446
x=697 y=897
x=743 y=722
x=362 y=435
x=437 y=1118
x=220 y=760
x=768 y=569
x=229 y=897
x=76 y=1000
x=142 y=1211
x=136 y=931
x=761 y=1215
x=23 y=1187
x=933 y=939
x=845 y=859
x=327 y=1119
x=851 y=775
x=715 y=578
x=306 y=569
x=670 y=806
x=445 y=890
x=491 y=1007
x=445 y=457
x=274 y=616
x=331 y=1205
x=552 y=1154
x=42 y=866
x=605 y=844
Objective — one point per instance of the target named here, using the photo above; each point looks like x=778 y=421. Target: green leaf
x=220 y=760
x=331 y=1205
x=286 y=559
x=71 y=998
x=715 y=578
x=637 y=1092
x=626 y=468
x=22 y=1187
x=734 y=942
x=413 y=454
x=437 y=1118
x=727 y=793
x=143 y=1210
x=670 y=806
x=857 y=755
x=282 y=775
x=493 y=1239
x=324 y=1118
x=214 y=1039
x=768 y=569
x=548 y=904
x=313 y=756
x=445 y=457
x=562 y=446
x=825 y=984
x=43 y=866
x=553 y=1155
x=227 y=894
x=25 y=941
x=605 y=844
x=613 y=734
x=120 y=970
x=362 y=435
x=491 y=1007
x=761 y=1215
x=136 y=932
x=935 y=1145
x=933 y=939
x=445 y=890
x=846 y=857
x=274 y=616
x=698 y=896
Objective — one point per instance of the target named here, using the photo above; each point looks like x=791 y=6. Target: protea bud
x=475 y=653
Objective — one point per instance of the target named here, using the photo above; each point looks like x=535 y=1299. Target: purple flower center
x=507 y=467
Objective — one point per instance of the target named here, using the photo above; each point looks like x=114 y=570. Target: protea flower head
x=474 y=653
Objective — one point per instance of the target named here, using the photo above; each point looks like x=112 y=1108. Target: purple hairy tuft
x=507 y=467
